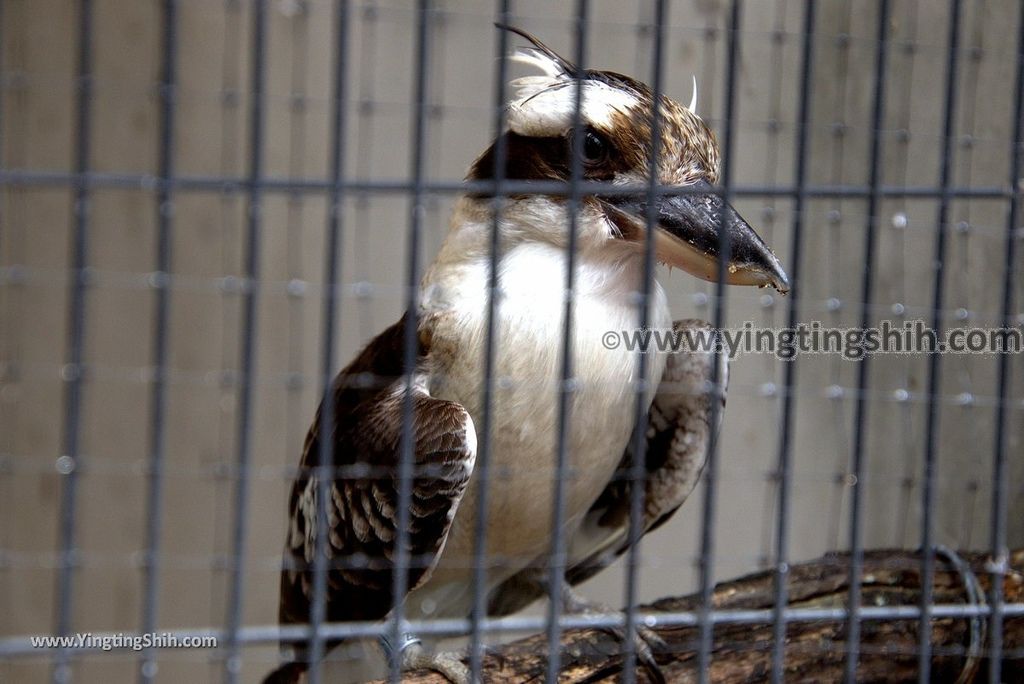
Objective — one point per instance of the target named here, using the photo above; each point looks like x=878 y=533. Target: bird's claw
x=447 y=663
x=645 y=640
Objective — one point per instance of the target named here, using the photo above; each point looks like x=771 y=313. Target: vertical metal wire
x=230 y=119
x=240 y=529
x=832 y=253
x=3 y=89
x=567 y=387
x=325 y=472
x=482 y=470
x=901 y=106
x=638 y=467
x=789 y=369
x=295 y=421
x=411 y=341
x=772 y=396
x=70 y=461
x=934 y=381
x=1000 y=479
x=161 y=278
x=707 y=545
x=861 y=407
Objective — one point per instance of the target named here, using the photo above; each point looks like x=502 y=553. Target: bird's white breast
x=525 y=404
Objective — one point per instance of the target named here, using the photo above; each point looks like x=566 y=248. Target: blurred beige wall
x=37 y=49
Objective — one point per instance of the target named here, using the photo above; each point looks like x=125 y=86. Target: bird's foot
x=413 y=656
x=446 y=663
x=645 y=640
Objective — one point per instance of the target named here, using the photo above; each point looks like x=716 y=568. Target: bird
x=613 y=141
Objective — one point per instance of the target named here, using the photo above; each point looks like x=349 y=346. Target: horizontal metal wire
x=99 y=465
x=260 y=655
x=21 y=646
x=240 y=185
x=272 y=562
x=15 y=275
x=227 y=379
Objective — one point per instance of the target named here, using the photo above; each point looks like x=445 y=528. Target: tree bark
x=814 y=651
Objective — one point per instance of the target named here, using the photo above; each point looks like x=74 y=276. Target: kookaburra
x=614 y=144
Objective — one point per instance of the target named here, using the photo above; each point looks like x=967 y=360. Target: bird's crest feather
x=544 y=105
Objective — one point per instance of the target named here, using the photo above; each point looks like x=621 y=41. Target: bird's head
x=614 y=144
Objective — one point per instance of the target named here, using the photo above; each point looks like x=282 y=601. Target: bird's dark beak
x=687 y=236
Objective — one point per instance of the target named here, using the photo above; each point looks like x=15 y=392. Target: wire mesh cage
x=208 y=208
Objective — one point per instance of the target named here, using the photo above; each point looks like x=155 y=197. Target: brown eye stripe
x=535 y=158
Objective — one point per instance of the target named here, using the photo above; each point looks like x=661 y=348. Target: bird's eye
x=595 y=148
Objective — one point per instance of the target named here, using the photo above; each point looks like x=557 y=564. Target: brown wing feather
x=677 y=438
x=362 y=511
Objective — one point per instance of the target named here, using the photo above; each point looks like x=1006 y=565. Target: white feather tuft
x=528 y=86
x=536 y=58
x=693 y=100
x=546 y=106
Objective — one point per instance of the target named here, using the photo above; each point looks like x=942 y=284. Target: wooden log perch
x=814 y=651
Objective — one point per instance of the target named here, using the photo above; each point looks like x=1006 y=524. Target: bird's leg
x=646 y=640
x=413 y=656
